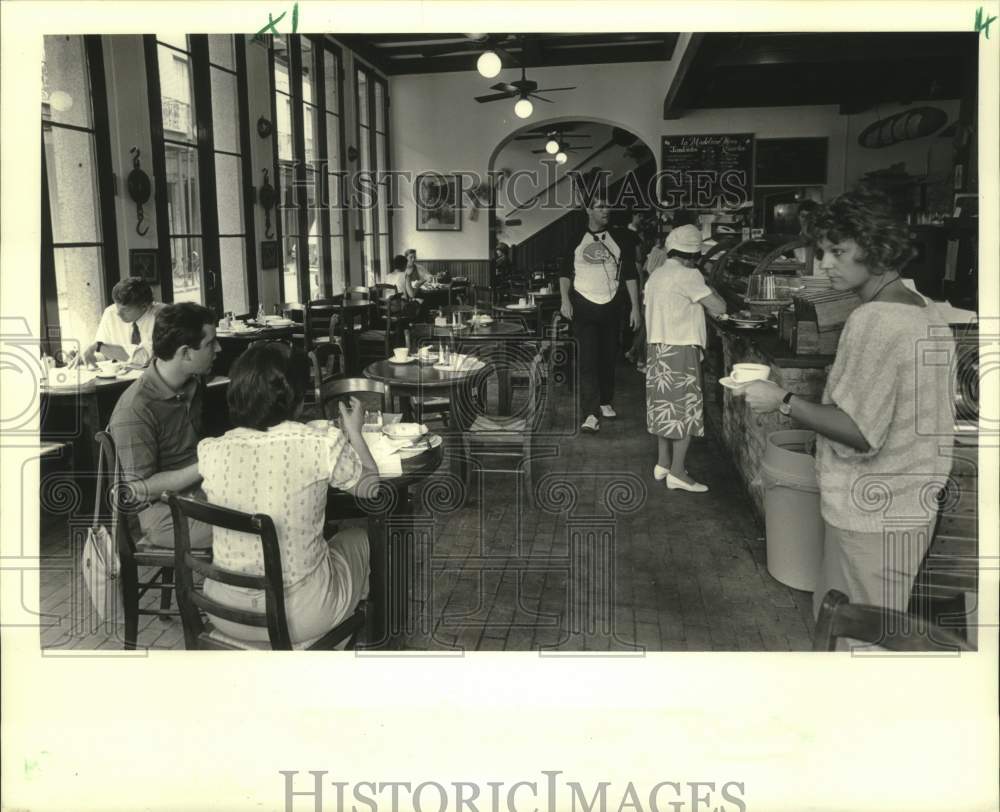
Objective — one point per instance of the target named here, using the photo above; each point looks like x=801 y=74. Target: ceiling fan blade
x=506 y=88
x=553 y=89
x=494 y=97
x=540 y=98
x=538 y=151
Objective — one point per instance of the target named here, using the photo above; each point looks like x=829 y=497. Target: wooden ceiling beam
x=671 y=106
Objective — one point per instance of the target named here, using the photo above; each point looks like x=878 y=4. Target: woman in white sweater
x=885 y=420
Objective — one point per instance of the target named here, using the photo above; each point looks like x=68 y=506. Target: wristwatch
x=786 y=404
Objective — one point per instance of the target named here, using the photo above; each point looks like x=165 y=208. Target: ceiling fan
x=523 y=89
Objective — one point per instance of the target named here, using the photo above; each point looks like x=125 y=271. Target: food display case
x=760 y=275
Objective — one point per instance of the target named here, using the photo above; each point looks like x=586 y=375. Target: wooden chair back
x=197 y=630
x=382 y=290
x=321 y=320
x=116 y=501
x=327 y=362
x=358 y=292
x=888 y=628
x=373 y=395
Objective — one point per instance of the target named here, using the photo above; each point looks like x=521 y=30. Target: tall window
x=79 y=253
x=373 y=144
x=200 y=134
x=229 y=172
x=180 y=152
x=309 y=116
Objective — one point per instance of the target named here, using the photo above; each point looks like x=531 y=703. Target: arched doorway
x=533 y=209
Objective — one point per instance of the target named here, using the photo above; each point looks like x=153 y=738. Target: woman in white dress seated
x=274 y=465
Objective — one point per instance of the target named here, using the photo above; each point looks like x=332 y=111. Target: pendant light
x=523 y=108
x=488 y=64
x=561 y=158
x=552 y=146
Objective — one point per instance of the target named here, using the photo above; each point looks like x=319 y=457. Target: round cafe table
x=415 y=378
x=479 y=332
x=392 y=542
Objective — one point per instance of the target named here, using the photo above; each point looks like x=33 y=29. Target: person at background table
x=157 y=421
x=501 y=263
x=885 y=411
x=271 y=464
x=399 y=277
x=676 y=300
x=418 y=273
x=125 y=332
x=593 y=284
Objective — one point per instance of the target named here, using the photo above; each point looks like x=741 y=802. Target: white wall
x=437 y=125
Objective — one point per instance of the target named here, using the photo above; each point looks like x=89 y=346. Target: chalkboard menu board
x=791 y=161
x=707 y=171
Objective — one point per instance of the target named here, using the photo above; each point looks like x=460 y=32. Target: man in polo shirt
x=593 y=284
x=157 y=421
x=125 y=332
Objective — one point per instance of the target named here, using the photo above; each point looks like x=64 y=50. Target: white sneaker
x=660 y=473
x=591 y=423
x=607 y=410
x=675 y=484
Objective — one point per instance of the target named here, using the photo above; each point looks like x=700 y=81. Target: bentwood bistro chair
x=199 y=632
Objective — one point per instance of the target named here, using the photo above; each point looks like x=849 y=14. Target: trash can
x=791 y=509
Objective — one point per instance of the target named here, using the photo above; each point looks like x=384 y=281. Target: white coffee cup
x=744 y=373
x=522 y=301
x=400 y=354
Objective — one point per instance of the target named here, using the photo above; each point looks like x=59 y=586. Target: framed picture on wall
x=142 y=263
x=438 y=206
x=269 y=255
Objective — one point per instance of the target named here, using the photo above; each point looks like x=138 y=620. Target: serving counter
x=743 y=432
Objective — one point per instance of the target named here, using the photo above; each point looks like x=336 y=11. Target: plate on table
x=420 y=445
x=404 y=431
x=408 y=360
x=430 y=358
x=66 y=378
x=520 y=307
x=278 y=323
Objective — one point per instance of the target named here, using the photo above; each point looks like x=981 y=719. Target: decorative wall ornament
x=267 y=197
x=264 y=127
x=139 y=189
x=905 y=126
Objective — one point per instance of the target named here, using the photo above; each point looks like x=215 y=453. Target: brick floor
x=609 y=560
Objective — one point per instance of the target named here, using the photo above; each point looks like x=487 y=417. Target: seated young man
x=157 y=421
x=125 y=332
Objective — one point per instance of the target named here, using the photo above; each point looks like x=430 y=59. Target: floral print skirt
x=673 y=391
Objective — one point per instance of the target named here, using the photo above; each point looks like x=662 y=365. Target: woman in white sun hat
x=676 y=300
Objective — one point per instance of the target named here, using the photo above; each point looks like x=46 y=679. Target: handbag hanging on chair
x=100 y=564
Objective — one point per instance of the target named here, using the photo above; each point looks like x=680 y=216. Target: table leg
x=391 y=555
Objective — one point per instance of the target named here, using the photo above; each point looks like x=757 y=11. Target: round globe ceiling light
x=524 y=108
x=552 y=146
x=488 y=64
x=561 y=158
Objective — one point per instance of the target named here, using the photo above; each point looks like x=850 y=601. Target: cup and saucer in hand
x=743 y=374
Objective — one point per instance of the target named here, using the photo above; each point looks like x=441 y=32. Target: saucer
x=729 y=383
x=408 y=360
